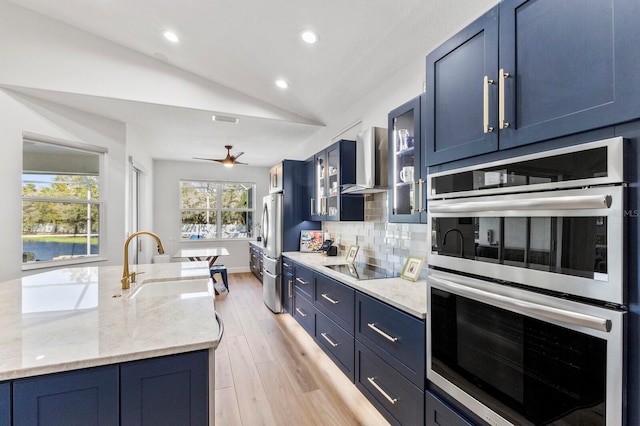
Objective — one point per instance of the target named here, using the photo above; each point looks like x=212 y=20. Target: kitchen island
x=79 y=319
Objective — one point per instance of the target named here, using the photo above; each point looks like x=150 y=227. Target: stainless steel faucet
x=128 y=278
x=444 y=239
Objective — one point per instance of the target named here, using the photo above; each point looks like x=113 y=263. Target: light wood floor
x=269 y=371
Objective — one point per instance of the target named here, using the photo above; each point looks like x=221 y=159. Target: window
x=61 y=204
x=205 y=205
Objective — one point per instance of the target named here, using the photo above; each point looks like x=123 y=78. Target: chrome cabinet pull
x=331 y=342
x=501 y=77
x=524 y=307
x=301 y=281
x=298 y=310
x=290 y=285
x=420 y=183
x=574 y=202
x=485 y=105
x=382 y=333
x=286 y=264
x=335 y=302
x=372 y=380
x=413 y=195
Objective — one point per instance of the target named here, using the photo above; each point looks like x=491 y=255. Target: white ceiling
x=245 y=45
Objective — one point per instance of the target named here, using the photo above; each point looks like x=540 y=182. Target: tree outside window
x=206 y=204
x=60 y=203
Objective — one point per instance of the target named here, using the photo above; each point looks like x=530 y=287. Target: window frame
x=101 y=153
x=218 y=209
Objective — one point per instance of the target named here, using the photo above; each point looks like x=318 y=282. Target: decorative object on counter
x=326 y=245
x=351 y=254
x=310 y=241
x=412 y=268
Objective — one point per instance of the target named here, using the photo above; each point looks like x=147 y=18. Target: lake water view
x=47 y=250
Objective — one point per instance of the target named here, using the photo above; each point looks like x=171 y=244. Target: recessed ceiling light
x=282 y=84
x=309 y=37
x=225 y=118
x=171 y=36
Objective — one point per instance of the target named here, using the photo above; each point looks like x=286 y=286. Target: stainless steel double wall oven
x=526 y=288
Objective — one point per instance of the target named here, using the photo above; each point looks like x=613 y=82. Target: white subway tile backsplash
x=381 y=243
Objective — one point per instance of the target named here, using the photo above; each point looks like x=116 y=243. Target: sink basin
x=173 y=287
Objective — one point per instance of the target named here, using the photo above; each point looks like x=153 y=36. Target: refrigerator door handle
x=265 y=225
x=269 y=274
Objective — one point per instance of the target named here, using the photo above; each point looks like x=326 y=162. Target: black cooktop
x=363 y=271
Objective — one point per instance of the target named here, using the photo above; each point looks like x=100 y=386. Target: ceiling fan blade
x=237 y=154
x=238 y=162
x=208 y=159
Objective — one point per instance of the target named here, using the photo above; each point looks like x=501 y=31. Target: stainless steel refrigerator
x=272 y=235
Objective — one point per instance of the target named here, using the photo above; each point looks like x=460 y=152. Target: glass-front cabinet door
x=318 y=209
x=407 y=196
x=333 y=168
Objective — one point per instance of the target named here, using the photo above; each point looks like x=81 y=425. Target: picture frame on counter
x=412 y=267
x=351 y=254
x=310 y=241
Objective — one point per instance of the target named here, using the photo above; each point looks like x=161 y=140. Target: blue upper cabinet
x=333 y=167
x=407 y=172
x=532 y=70
x=459 y=96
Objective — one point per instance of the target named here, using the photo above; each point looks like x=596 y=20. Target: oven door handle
x=542 y=203
x=521 y=306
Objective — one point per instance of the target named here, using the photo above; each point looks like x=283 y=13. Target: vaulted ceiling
x=245 y=46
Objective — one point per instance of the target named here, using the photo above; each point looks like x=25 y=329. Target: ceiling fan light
x=228 y=164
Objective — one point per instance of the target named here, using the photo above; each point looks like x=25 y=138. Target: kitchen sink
x=173 y=287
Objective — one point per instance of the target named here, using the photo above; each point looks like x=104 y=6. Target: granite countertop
x=69 y=318
x=408 y=296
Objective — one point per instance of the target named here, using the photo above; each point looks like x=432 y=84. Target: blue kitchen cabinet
x=5 y=404
x=407 y=196
x=396 y=398
x=287 y=284
x=334 y=167
x=80 y=397
x=295 y=207
x=395 y=336
x=457 y=113
x=335 y=300
x=170 y=390
x=529 y=71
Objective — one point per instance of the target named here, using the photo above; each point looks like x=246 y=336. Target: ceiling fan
x=228 y=161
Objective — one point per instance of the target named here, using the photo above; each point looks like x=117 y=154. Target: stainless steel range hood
x=371 y=162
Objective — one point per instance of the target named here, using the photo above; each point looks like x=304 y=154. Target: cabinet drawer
x=287 y=266
x=396 y=337
x=336 y=300
x=394 y=396
x=336 y=342
x=439 y=414
x=304 y=312
x=304 y=280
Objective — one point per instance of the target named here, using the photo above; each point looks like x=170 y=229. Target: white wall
x=166 y=204
x=21 y=113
